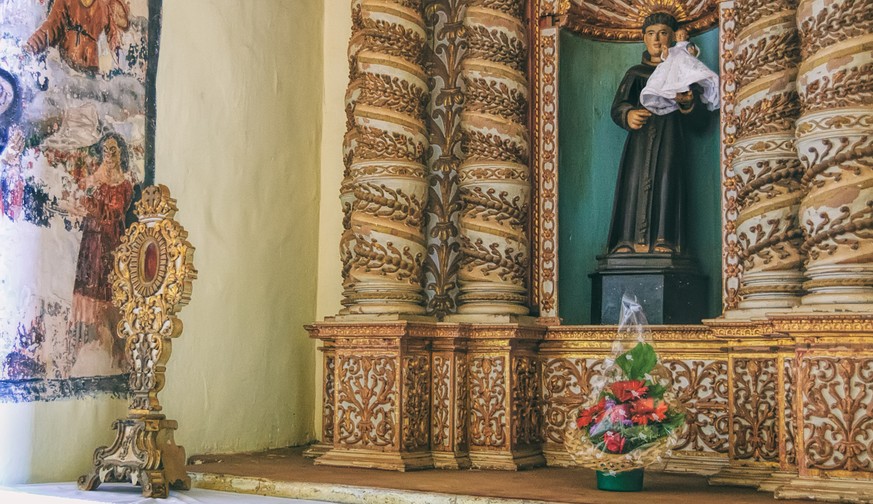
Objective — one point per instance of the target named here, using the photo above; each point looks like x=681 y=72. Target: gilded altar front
x=450 y=352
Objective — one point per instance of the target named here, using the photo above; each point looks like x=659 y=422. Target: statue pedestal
x=670 y=289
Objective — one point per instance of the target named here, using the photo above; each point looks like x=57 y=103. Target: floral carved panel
x=566 y=385
x=366 y=400
x=837 y=413
x=327 y=419
x=526 y=401
x=755 y=406
x=488 y=394
x=441 y=423
x=702 y=387
x=790 y=418
x=416 y=402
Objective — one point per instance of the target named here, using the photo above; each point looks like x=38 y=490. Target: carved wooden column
x=385 y=190
x=494 y=177
x=764 y=159
x=504 y=377
x=835 y=145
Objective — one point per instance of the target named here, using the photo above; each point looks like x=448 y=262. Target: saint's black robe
x=649 y=207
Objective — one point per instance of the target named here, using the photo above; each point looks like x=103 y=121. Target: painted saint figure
x=648 y=212
x=75 y=26
x=109 y=192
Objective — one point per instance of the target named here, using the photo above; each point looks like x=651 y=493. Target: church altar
x=450 y=351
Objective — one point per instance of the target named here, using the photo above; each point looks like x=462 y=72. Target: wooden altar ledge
x=287 y=473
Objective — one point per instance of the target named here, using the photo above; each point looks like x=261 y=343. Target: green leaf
x=656 y=390
x=637 y=362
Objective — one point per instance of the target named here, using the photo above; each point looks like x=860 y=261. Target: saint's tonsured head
x=658 y=29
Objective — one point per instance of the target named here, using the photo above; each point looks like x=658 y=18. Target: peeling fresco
x=76 y=130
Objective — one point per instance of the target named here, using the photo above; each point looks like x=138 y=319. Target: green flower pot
x=628 y=481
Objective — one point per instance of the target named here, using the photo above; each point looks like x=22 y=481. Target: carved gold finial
x=151 y=282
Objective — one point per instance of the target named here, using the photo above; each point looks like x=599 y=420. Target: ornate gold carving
x=416 y=403
x=731 y=261
x=567 y=384
x=446 y=50
x=790 y=419
x=442 y=407
x=837 y=420
x=488 y=394
x=755 y=410
x=837 y=21
x=844 y=88
x=327 y=418
x=366 y=401
x=462 y=403
x=526 y=401
x=702 y=387
x=544 y=230
x=151 y=282
x=622 y=21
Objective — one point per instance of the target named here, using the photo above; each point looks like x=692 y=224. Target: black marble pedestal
x=669 y=288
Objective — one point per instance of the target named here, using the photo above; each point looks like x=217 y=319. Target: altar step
x=287 y=473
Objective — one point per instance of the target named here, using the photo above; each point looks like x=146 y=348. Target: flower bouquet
x=631 y=420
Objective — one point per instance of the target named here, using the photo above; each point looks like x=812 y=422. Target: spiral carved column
x=385 y=188
x=494 y=176
x=835 y=145
x=764 y=157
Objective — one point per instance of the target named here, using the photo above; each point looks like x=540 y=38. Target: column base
x=776 y=480
x=827 y=490
x=450 y=460
x=695 y=463
x=557 y=456
x=741 y=476
x=317 y=450
x=368 y=459
x=844 y=285
x=771 y=290
x=508 y=460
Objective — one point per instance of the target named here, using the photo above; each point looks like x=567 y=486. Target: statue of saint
x=648 y=212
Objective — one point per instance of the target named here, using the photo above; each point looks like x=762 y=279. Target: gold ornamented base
x=370 y=459
x=449 y=460
x=144 y=453
x=317 y=450
x=827 y=490
x=700 y=463
x=777 y=480
x=742 y=476
x=508 y=460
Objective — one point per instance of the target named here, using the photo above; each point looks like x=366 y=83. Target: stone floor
x=285 y=472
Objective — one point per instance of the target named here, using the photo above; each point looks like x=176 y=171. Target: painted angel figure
x=678 y=71
x=75 y=26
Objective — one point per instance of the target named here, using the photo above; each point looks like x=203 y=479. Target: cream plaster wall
x=239 y=145
x=337 y=30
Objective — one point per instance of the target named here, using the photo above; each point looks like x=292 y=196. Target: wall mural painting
x=76 y=145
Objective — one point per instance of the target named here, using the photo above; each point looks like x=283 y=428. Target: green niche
x=589 y=149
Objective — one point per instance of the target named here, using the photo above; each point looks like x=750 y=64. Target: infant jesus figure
x=678 y=71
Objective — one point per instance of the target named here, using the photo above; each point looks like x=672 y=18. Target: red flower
x=587 y=415
x=629 y=390
x=614 y=441
x=644 y=410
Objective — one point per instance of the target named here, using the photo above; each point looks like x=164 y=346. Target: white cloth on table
x=675 y=75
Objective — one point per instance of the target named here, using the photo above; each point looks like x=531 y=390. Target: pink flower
x=614 y=441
